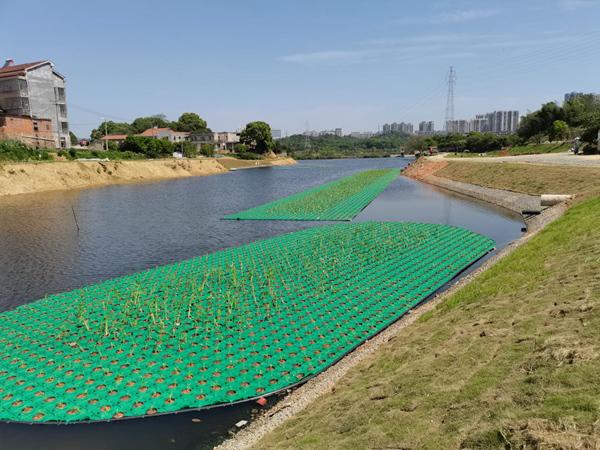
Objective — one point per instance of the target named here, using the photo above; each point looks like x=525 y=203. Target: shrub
x=247 y=155
x=18 y=151
x=207 y=150
x=152 y=148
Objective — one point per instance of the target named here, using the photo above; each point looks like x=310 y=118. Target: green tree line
x=188 y=121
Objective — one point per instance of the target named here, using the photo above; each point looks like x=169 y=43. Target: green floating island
x=225 y=327
x=340 y=200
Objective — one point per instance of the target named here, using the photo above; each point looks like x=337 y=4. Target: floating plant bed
x=341 y=199
x=225 y=327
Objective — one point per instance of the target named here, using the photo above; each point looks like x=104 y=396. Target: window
x=60 y=94
x=64 y=127
x=63 y=110
x=36 y=127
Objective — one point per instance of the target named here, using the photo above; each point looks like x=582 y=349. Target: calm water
x=125 y=229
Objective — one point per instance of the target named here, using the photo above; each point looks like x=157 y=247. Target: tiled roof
x=114 y=137
x=154 y=131
x=19 y=69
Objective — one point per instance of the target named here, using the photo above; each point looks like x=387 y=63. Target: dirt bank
x=26 y=178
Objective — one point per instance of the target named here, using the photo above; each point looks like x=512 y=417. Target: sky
x=354 y=64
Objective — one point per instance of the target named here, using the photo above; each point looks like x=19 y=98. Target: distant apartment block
x=457 y=126
x=276 y=134
x=395 y=127
x=426 y=127
x=361 y=134
x=498 y=122
x=334 y=132
x=503 y=122
x=37 y=91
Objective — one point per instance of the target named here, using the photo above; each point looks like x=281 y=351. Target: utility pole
x=105 y=135
x=450 y=99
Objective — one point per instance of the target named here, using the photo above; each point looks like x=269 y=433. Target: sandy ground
x=26 y=178
x=561 y=159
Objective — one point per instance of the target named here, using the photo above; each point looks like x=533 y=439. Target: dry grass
x=510 y=361
x=527 y=178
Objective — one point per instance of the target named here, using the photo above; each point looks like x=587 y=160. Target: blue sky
x=354 y=64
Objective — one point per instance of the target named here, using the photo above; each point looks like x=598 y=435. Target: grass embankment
x=527 y=178
x=510 y=361
x=531 y=149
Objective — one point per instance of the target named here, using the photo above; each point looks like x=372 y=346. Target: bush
x=150 y=147
x=18 y=151
x=247 y=155
x=207 y=150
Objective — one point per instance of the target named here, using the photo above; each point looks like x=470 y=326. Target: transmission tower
x=307 y=143
x=450 y=99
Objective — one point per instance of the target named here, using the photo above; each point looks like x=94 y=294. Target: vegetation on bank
x=526 y=178
x=188 y=121
x=17 y=151
x=510 y=361
x=332 y=147
x=577 y=117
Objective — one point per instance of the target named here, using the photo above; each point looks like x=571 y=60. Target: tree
x=151 y=147
x=141 y=124
x=257 y=135
x=73 y=138
x=540 y=122
x=559 y=130
x=415 y=144
x=110 y=127
x=190 y=122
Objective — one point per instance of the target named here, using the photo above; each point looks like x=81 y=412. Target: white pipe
x=553 y=199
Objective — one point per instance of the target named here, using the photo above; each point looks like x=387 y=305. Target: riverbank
x=488 y=366
x=27 y=178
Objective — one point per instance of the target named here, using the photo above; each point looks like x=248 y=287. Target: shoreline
x=300 y=398
x=36 y=177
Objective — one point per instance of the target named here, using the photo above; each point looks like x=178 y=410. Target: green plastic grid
x=225 y=327
x=339 y=200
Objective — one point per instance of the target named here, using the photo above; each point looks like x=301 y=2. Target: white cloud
x=331 y=56
x=454 y=16
x=464 y=16
x=578 y=4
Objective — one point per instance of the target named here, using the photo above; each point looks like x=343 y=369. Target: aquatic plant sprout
x=340 y=200
x=225 y=327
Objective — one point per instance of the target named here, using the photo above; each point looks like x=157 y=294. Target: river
x=128 y=228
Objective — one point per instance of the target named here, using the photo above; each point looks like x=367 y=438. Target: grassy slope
x=530 y=149
x=511 y=358
x=527 y=178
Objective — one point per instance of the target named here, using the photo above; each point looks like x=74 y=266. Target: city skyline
x=357 y=66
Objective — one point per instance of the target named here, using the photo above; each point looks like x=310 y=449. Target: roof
x=150 y=132
x=19 y=70
x=114 y=137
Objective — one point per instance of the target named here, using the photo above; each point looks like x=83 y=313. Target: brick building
x=36 y=133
